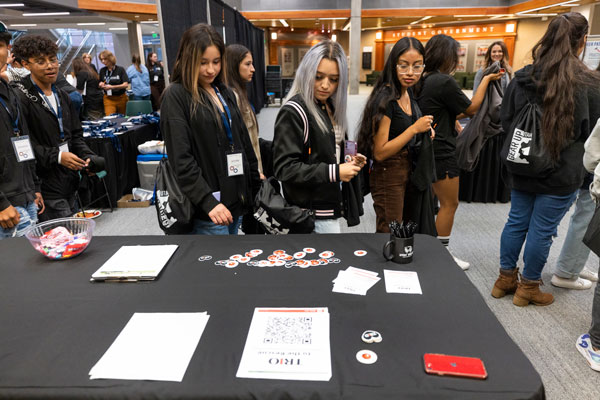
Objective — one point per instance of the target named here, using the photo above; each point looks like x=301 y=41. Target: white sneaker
x=575 y=283
x=584 y=346
x=589 y=275
x=462 y=264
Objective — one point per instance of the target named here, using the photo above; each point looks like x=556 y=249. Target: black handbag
x=174 y=210
x=276 y=215
x=592 y=235
x=523 y=151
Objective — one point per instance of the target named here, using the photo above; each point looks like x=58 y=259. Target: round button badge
x=366 y=357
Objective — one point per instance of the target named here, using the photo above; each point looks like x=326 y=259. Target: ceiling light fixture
x=48 y=14
x=421 y=20
x=117 y=29
x=91 y=23
x=284 y=22
x=13 y=5
x=346 y=27
x=22 y=25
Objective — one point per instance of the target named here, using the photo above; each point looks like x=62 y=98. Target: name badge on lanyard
x=155 y=78
x=235 y=164
x=58 y=112
x=235 y=160
x=23 y=149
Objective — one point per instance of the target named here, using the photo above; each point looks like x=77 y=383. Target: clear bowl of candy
x=63 y=238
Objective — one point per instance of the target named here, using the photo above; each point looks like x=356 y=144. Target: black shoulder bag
x=174 y=210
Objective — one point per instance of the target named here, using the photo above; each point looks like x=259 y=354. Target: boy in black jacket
x=20 y=196
x=56 y=132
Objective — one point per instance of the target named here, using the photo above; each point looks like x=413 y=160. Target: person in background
x=114 y=81
x=87 y=84
x=497 y=51
x=76 y=97
x=309 y=137
x=588 y=344
x=570 y=95
x=390 y=121
x=20 y=194
x=239 y=70
x=56 y=134
x=208 y=144
x=157 y=79
x=87 y=58
x=14 y=69
x=139 y=78
x=439 y=95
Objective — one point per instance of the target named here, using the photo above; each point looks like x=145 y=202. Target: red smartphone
x=442 y=364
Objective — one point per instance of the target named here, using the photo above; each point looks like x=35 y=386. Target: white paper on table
x=137 y=262
x=287 y=343
x=355 y=281
x=402 y=282
x=364 y=271
x=152 y=346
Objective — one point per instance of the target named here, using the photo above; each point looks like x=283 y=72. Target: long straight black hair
x=387 y=88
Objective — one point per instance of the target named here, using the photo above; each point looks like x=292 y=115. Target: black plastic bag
x=523 y=151
x=592 y=235
x=174 y=210
x=276 y=215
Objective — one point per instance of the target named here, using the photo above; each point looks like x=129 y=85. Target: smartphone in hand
x=350 y=150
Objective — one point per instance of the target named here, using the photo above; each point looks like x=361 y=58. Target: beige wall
x=529 y=32
x=367 y=38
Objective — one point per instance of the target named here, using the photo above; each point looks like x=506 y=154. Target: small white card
x=23 y=149
x=64 y=147
x=402 y=282
x=235 y=164
x=109 y=92
x=155 y=78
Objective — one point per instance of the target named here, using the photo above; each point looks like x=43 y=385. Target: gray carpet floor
x=546 y=335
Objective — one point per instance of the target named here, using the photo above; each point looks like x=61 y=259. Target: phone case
x=350 y=148
x=442 y=364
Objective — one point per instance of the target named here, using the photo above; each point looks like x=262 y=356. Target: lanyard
x=14 y=121
x=226 y=119
x=107 y=76
x=58 y=113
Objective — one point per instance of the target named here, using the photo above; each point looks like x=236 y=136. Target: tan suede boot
x=529 y=292
x=506 y=282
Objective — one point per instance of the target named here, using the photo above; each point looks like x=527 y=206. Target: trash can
x=147 y=164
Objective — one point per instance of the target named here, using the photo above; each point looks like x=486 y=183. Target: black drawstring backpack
x=174 y=210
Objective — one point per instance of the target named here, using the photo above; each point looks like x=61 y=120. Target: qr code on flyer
x=289 y=330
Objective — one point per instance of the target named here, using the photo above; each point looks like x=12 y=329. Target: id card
x=155 y=78
x=23 y=149
x=235 y=164
x=64 y=147
x=109 y=92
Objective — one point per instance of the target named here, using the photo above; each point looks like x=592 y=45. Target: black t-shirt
x=441 y=97
x=90 y=83
x=115 y=77
x=400 y=121
x=157 y=73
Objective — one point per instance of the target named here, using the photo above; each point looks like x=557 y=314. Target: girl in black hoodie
x=569 y=96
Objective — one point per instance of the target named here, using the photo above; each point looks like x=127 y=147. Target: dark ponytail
x=558 y=74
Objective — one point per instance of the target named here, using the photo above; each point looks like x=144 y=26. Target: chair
x=372 y=77
x=137 y=107
x=100 y=175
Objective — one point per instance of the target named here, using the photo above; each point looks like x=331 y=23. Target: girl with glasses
x=390 y=122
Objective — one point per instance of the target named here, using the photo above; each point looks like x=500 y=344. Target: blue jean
x=202 y=227
x=136 y=97
x=28 y=218
x=574 y=253
x=535 y=217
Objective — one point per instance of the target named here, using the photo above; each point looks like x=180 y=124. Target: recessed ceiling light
x=117 y=29
x=148 y=22
x=22 y=25
x=46 y=14
x=13 y=5
x=91 y=23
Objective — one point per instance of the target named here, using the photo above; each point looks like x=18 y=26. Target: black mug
x=399 y=250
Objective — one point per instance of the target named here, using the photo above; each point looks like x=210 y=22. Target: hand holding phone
x=466 y=367
x=350 y=150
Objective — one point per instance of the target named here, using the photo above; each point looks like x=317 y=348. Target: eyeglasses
x=416 y=69
x=40 y=62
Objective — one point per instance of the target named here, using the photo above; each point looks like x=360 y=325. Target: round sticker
x=256 y=252
x=204 y=258
x=309 y=250
x=279 y=263
x=244 y=259
x=263 y=263
x=315 y=262
x=279 y=252
x=272 y=257
x=299 y=255
x=231 y=264
x=303 y=263
x=288 y=257
x=360 y=253
x=371 y=337
x=236 y=257
x=326 y=254
x=366 y=357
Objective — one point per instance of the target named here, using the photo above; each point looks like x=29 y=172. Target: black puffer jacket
x=568 y=176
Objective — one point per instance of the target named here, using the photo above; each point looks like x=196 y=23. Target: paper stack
x=402 y=282
x=152 y=346
x=287 y=343
x=355 y=281
x=133 y=263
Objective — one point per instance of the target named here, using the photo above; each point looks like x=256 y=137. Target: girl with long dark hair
x=157 y=79
x=390 y=121
x=87 y=84
x=207 y=141
x=440 y=96
x=496 y=52
x=569 y=95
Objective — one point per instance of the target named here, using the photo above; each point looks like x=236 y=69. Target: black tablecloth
x=484 y=184
x=121 y=166
x=55 y=324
